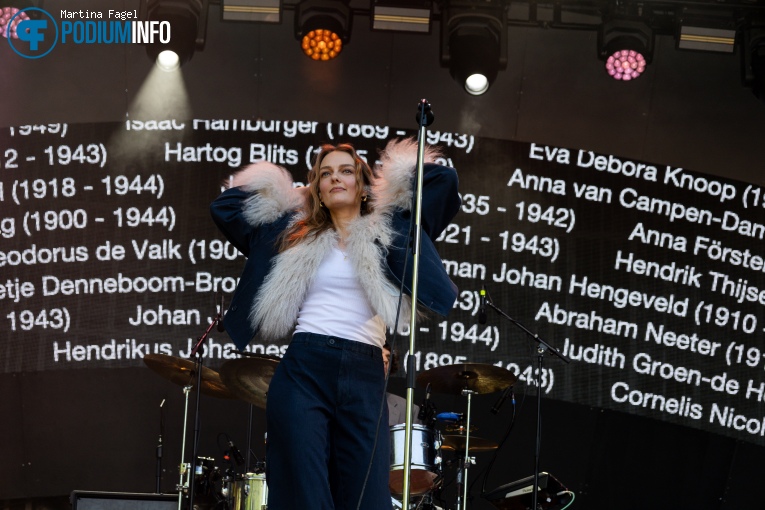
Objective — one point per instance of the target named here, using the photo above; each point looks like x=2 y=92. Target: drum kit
x=248 y=378
x=466 y=379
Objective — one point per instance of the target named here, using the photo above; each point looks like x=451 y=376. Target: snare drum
x=425 y=460
x=249 y=492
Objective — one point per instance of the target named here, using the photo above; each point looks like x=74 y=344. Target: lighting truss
x=402 y=16
x=263 y=11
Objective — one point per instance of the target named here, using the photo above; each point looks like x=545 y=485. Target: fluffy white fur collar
x=278 y=301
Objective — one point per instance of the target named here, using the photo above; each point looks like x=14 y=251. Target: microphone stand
x=195 y=353
x=424 y=118
x=542 y=348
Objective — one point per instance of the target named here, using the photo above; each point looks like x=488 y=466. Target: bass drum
x=425 y=459
x=248 y=493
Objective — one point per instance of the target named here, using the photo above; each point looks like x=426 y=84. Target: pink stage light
x=625 y=65
x=8 y=28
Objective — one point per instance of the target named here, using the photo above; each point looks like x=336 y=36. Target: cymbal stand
x=467 y=461
x=260 y=465
x=246 y=354
x=195 y=353
x=249 y=441
x=159 y=446
x=185 y=468
x=542 y=348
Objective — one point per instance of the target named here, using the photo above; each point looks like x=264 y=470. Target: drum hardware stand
x=159 y=446
x=199 y=365
x=542 y=348
x=424 y=118
x=185 y=469
x=250 y=420
x=467 y=461
x=462 y=485
x=249 y=441
x=262 y=464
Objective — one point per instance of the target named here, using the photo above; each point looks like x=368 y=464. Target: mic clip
x=501 y=399
x=482 y=306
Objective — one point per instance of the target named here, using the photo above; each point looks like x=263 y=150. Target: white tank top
x=335 y=304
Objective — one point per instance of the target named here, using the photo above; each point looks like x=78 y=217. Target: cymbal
x=477 y=377
x=456 y=442
x=183 y=372
x=248 y=378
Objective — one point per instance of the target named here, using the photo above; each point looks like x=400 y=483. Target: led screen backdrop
x=648 y=277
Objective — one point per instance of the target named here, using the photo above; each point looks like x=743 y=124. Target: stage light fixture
x=188 y=27
x=626 y=46
x=9 y=10
x=262 y=11
x=168 y=60
x=474 y=43
x=401 y=16
x=8 y=28
x=323 y=27
x=753 y=60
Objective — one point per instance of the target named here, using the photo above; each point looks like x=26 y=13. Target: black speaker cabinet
x=89 y=500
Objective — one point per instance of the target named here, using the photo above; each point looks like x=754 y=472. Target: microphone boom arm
x=542 y=348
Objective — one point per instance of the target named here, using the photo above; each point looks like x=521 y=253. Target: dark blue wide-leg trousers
x=322 y=415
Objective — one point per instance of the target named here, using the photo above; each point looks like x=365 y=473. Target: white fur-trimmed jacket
x=262 y=202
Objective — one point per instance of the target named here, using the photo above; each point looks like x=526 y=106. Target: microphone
x=425 y=115
x=235 y=452
x=425 y=404
x=501 y=400
x=482 y=309
x=221 y=327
